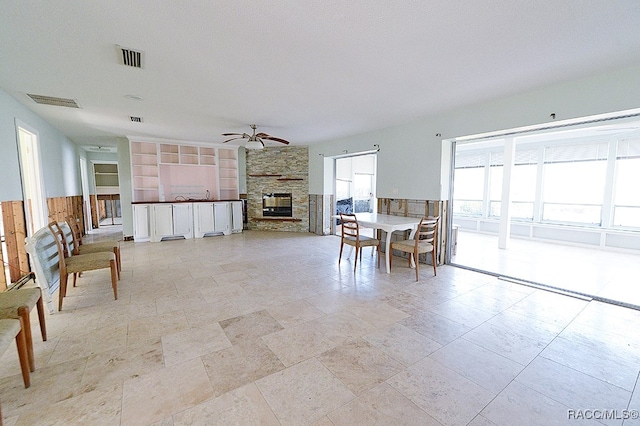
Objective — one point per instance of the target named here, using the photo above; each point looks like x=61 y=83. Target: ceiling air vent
x=136 y=119
x=130 y=57
x=50 y=100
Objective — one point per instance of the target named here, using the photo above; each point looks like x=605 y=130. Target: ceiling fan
x=256 y=140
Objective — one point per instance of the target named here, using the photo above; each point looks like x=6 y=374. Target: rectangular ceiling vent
x=130 y=57
x=50 y=100
x=136 y=119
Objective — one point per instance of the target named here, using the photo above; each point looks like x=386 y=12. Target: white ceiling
x=302 y=70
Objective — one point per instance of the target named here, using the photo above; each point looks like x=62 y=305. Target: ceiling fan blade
x=272 y=138
x=244 y=135
x=233 y=139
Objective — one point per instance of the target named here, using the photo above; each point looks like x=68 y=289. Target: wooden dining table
x=389 y=224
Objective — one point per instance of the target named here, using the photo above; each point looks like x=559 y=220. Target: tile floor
x=610 y=274
x=266 y=328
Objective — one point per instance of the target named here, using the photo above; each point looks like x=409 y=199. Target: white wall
x=411 y=155
x=59 y=156
x=124 y=180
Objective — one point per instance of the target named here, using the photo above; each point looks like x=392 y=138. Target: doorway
x=355 y=186
x=35 y=206
x=108 y=208
x=557 y=208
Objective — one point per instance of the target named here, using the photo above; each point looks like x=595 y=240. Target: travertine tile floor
x=266 y=328
x=605 y=273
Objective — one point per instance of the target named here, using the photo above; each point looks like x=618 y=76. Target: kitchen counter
x=183 y=201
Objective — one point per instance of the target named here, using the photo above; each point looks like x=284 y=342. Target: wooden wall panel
x=61 y=207
x=15 y=233
x=94 y=211
x=3 y=276
x=418 y=208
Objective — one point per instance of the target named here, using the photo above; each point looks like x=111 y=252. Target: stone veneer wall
x=291 y=164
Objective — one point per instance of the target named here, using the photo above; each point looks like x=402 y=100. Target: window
x=469 y=184
x=552 y=181
x=574 y=177
x=626 y=205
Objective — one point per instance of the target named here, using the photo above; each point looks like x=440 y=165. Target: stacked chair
x=81 y=248
x=15 y=307
x=79 y=263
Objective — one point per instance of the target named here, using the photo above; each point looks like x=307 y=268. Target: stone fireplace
x=271 y=173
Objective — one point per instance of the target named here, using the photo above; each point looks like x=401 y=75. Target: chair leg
x=62 y=291
x=117 y=253
x=43 y=325
x=23 y=313
x=433 y=259
x=378 y=254
x=340 y=256
x=23 y=355
x=416 y=260
x=114 y=281
x=355 y=258
x=75 y=277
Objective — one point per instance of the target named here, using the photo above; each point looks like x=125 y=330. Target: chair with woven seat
x=351 y=236
x=85 y=248
x=18 y=304
x=80 y=263
x=424 y=241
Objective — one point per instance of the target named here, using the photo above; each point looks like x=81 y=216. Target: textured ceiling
x=305 y=71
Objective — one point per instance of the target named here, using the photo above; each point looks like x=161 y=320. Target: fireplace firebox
x=277 y=204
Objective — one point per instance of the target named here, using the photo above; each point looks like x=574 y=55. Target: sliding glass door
x=573 y=217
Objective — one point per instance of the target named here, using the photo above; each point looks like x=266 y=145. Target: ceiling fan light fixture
x=254 y=140
x=254 y=145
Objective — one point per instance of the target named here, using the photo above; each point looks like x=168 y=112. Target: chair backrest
x=428 y=230
x=76 y=234
x=43 y=256
x=61 y=243
x=350 y=227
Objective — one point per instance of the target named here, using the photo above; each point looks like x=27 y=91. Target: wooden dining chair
x=424 y=241
x=351 y=236
x=85 y=248
x=80 y=263
x=18 y=304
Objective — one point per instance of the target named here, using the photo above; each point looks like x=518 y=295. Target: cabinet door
x=236 y=215
x=163 y=220
x=182 y=219
x=222 y=218
x=141 y=222
x=203 y=218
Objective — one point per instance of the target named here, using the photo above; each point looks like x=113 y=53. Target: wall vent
x=50 y=100
x=130 y=57
x=136 y=119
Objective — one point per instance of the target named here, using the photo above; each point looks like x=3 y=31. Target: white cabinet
x=171 y=220
x=222 y=217
x=157 y=221
x=203 y=220
x=183 y=219
x=211 y=218
x=141 y=231
x=236 y=216
x=162 y=221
